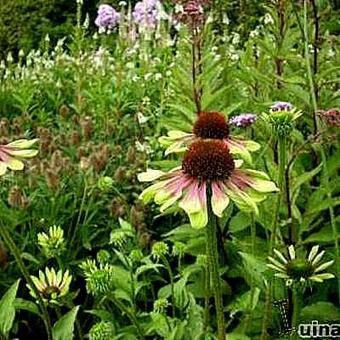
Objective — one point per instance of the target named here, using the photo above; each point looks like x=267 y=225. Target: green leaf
x=22 y=304
x=325 y=235
x=239 y=222
x=321 y=311
x=305 y=177
x=7 y=310
x=253 y=269
x=245 y=302
x=64 y=327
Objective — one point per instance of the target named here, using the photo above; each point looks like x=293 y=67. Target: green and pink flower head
x=12 y=154
x=211 y=125
x=207 y=162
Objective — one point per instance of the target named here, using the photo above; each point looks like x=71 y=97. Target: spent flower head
x=52 y=286
x=207 y=163
x=300 y=270
x=209 y=125
x=12 y=154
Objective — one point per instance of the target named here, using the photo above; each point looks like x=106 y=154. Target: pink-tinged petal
x=173 y=187
x=23 y=143
x=219 y=200
x=3 y=168
x=194 y=203
x=150 y=175
x=248 y=178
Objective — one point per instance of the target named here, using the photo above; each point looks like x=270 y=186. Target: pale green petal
x=318 y=258
x=313 y=253
x=324 y=276
x=281 y=275
x=150 y=175
x=263 y=186
x=323 y=266
x=148 y=194
x=176 y=134
x=241 y=198
x=280 y=255
x=3 y=168
x=238 y=163
x=15 y=164
x=219 y=200
x=275 y=268
x=291 y=252
x=257 y=173
x=23 y=143
x=25 y=153
x=251 y=145
x=168 y=203
x=276 y=263
x=176 y=147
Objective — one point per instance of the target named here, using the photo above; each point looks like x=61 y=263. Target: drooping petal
x=242 y=147
x=3 y=168
x=150 y=175
x=219 y=200
x=313 y=253
x=194 y=203
x=15 y=164
x=24 y=153
x=23 y=143
x=148 y=194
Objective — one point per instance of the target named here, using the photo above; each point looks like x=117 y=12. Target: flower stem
x=5 y=235
x=130 y=315
x=213 y=263
x=206 y=298
x=282 y=153
x=172 y=284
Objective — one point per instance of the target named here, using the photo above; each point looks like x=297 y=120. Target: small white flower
x=268 y=19
x=158 y=76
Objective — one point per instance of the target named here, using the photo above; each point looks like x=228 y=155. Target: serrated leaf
x=63 y=329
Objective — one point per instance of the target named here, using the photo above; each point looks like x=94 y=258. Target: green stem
x=212 y=254
x=206 y=298
x=322 y=151
x=130 y=315
x=296 y=308
x=5 y=235
x=172 y=284
x=282 y=151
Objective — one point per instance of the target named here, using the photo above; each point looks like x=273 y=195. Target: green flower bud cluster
x=159 y=249
x=160 y=305
x=99 y=280
x=52 y=243
x=102 y=330
x=105 y=183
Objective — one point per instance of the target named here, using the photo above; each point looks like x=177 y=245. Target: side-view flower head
x=300 y=270
x=51 y=285
x=11 y=154
x=209 y=125
x=207 y=162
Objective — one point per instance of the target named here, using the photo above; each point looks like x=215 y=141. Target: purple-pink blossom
x=282 y=106
x=146 y=12
x=243 y=120
x=107 y=17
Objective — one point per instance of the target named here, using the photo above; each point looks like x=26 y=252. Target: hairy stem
x=172 y=282
x=212 y=254
x=5 y=235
